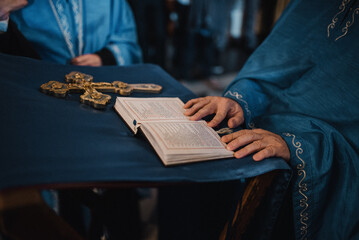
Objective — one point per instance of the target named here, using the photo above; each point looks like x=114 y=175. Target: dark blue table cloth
x=47 y=140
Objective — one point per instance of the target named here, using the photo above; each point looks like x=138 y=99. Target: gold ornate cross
x=92 y=92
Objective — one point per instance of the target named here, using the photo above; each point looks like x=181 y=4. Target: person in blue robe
x=80 y=32
x=298 y=98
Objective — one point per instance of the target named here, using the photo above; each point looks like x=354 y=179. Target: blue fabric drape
x=303 y=83
x=49 y=140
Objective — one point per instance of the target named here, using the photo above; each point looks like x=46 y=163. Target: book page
x=185 y=141
x=185 y=135
x=174 y=137
x=154 y=109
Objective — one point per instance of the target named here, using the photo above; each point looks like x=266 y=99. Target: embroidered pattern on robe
x=348 y=23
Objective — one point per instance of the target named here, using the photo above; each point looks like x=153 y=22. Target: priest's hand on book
x=262 y=143
x=222 y=107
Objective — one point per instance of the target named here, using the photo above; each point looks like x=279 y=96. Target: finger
x=192 y=102
x=203 y=112
x=264 y=153
x=250 y=148
x=77 y=60
x=218 y=118
x=83 y=58
x=232 y=136
x=196 y=107
x=240 y=139
x=82 y=63
x=262 y=131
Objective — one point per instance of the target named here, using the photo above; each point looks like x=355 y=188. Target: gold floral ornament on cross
x=78 y=82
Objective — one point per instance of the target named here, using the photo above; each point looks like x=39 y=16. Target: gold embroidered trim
x=335 y=18
x=348 y=24
x=303 y=203
x=240 y=98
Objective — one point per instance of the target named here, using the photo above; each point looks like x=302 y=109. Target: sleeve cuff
x=244 y=104
x=3 y=25
x=107 y=57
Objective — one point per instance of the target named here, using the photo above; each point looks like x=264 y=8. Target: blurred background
x=203 y=43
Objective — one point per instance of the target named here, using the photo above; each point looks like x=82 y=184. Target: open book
x=175 y=138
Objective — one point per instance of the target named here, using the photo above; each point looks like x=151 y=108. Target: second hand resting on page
x=262 y=143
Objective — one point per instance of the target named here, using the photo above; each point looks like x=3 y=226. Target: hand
x=263 y=143
x=92 y=60
x=222 y=107
x=6 y=6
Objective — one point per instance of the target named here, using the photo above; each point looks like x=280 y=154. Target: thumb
x=235 y=121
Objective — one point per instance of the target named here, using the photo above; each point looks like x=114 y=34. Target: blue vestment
x=60 y=30
x=303 y=84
